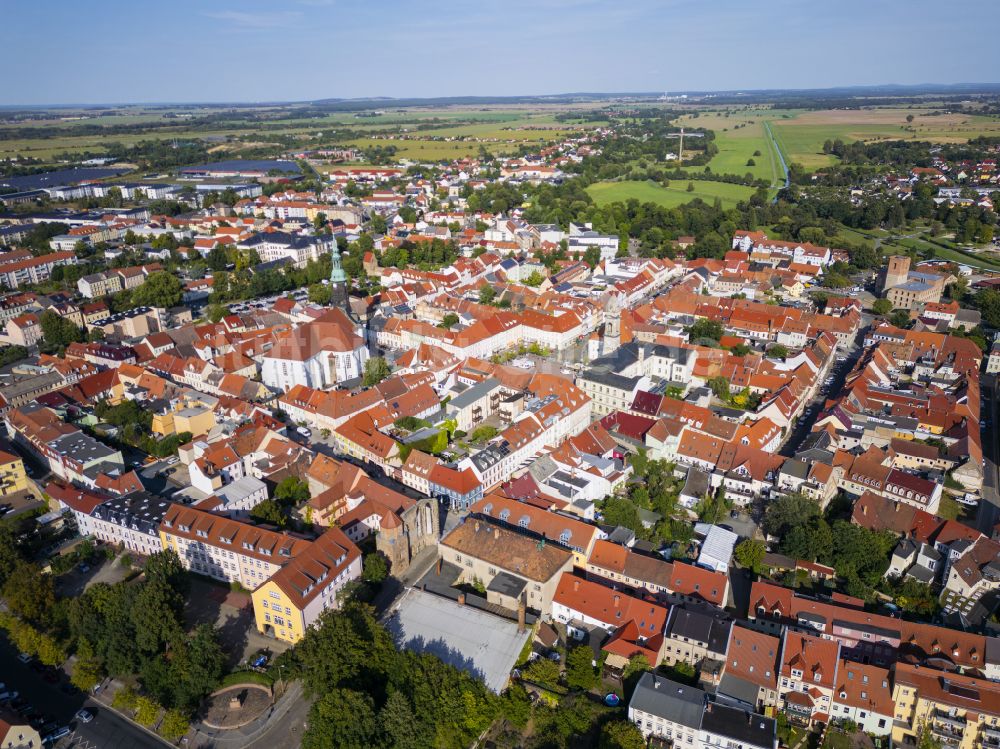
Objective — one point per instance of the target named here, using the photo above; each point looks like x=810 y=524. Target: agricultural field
x=429 y=134
x=739 y=135
x=669 y=197
x=800 y=134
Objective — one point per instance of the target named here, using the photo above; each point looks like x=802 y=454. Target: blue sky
x=106 y=51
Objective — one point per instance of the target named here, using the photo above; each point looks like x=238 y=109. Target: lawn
x=739 y=135
x=669 y=197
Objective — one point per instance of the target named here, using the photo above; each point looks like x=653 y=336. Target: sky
x=121 y=51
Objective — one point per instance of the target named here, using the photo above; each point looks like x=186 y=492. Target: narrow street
x=989 y=507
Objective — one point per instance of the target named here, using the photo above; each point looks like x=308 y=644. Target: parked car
x=84 y=716
x=24 y=657
x=305 y=432
x=55 y=735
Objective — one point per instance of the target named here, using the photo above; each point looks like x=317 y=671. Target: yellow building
x=12 y=475
x=292 y=579
x=191 y=413
x=958 y=711
x=305 y=587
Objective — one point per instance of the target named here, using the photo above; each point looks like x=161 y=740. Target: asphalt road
x=107 y=730
x=989 y=507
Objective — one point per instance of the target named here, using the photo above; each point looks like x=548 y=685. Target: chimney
x=440 y=562
x=461 y=599
x=496 y=533
x=476 y=527
x=618 y=599
x=521 y=614
x=576 y=585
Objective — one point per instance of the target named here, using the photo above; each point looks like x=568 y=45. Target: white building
x=320 y=354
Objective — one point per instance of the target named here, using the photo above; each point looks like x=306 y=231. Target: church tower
x=338 y=283
x=612 y=325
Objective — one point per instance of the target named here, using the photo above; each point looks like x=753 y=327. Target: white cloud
x=242 y=21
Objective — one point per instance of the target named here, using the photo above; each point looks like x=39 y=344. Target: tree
x=751 y=162
x=449 y=321
x=484 y=433
x=87 y=670
x=341 y=719
x=900 y=318
x=619 y=511
x=375 y=568
x=882 y=307
x=778 y=351
x=487 y=294
x=620 y=734
x=690 y=187
x=580 y=671
x=174 y=725
x=292 y=491
x=320 y=293
x=400 y=727
x=516 y=705
x=269 y=512
x=216 y=312
x=11 y=354
x=160 y=289
x=720 y=386
x=592 y=256
x=704 y=329
x=146 y=711
x=376 y=370
x=750 y=554
x=58 y=332
x=788 y=510
x=988 y=302
x=542 y=671
x=535 y=279
x=30 y=593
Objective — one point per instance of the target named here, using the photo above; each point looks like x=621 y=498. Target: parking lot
x=230 y=611
x=47 y=701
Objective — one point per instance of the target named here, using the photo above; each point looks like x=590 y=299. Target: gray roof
x=670 y=700
x=701 y=627
x=737 y=689
x=795 y=468
x=695 y=483
x=741 y=726
x=476 y=392
x=82 y=447
x=485 y=645
x=507 y=585
x=140 y=511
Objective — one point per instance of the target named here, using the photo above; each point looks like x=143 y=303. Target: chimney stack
x=521 y=614
x=461 y=599
x=576 y=585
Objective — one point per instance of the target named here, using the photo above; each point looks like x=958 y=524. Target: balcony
x=954 y=722
x=990 y=735
x=946 y=735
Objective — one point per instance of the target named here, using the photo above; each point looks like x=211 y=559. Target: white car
x=304 y=431
x=84 y=716
x=24 y=657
